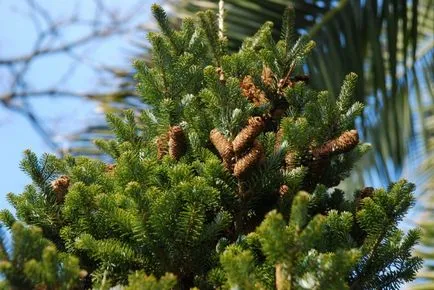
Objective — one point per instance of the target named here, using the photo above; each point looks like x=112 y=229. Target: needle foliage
x=228 y=181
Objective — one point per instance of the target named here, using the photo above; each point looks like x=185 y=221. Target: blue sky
x=62 y=115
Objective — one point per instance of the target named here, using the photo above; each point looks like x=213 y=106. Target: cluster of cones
x=244 y=152
x=316 y=159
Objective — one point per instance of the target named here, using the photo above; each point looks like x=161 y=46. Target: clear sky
x=62 y=115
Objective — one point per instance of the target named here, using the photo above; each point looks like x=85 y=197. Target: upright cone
x=344 y=143
x=250 y=159
x=177 y=142
x=224 y=147
x=248 y=134
x=252 y=93
x=162 y=145
x=60 y=187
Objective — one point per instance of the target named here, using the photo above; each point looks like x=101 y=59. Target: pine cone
x=251 y=158
x=223 y=146
x=60 y=187
x=252 y=93
x=162 y=145
x=267 y=76
x=249 y=133
x=278 y=139
x=344 y=143
x=291 y=160
x=177 y=142
x=318 y=160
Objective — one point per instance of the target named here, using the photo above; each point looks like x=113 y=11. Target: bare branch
x=106 y=23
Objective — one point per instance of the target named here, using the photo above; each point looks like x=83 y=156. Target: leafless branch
x=105 y=24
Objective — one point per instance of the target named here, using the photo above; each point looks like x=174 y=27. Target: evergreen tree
x=227 y=182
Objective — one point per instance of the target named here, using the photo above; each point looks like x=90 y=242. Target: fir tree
x=227 y=182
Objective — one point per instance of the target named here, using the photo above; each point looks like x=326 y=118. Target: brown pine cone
x=251 y=92
x=291 y=160
x=162 y=145
x=344 y=143
x=267 y=76
x=223 y=146
x=249 y=133
x=177 y=142
x=278 y=139
x=250 y=159
x=60 y=187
